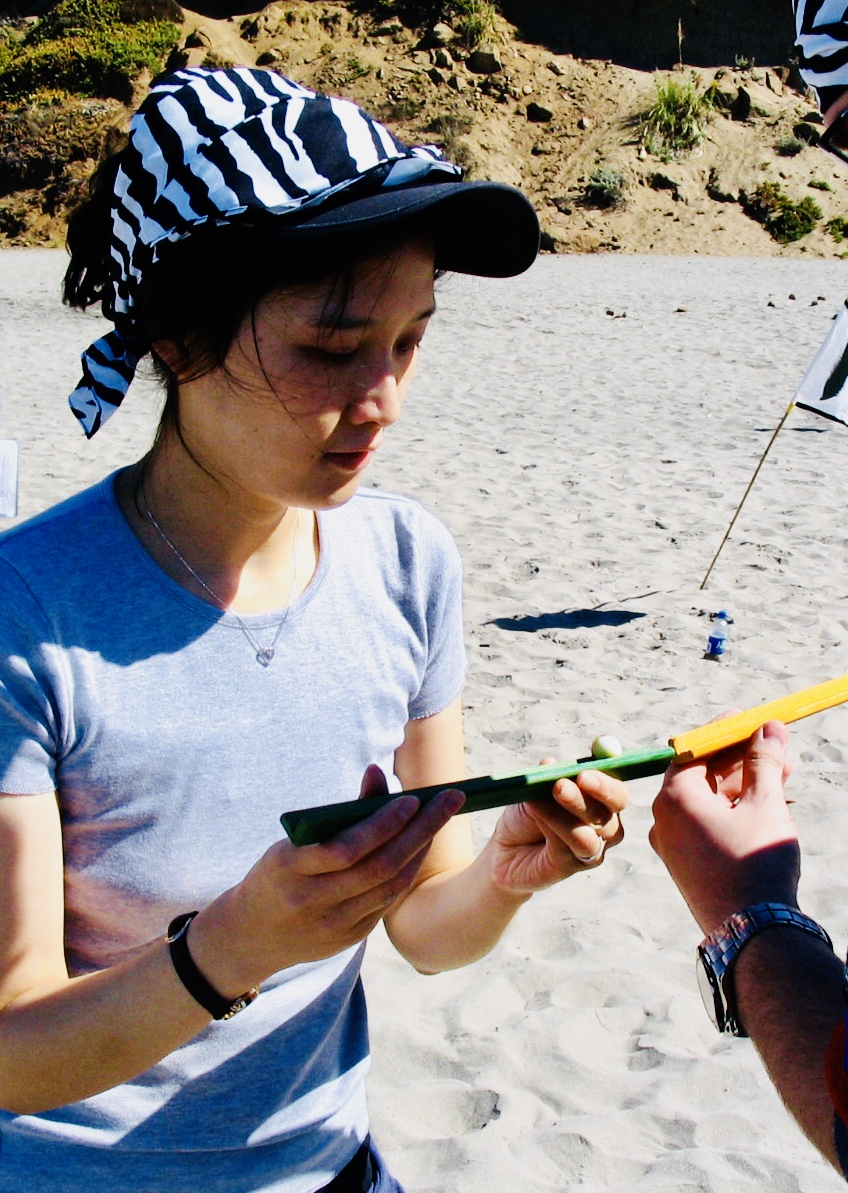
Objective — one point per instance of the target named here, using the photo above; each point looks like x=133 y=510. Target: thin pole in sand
x=777 y=431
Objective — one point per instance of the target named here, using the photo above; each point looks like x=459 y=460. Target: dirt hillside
x=529 y=107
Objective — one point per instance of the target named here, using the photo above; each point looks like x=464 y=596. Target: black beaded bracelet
x=193 y=980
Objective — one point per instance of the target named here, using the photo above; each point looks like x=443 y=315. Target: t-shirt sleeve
x=441 y=588
x=821 y=38
x=29 y=700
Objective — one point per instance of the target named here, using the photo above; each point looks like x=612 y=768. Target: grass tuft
x=605 y=189
x=476 y=22
x=790 y=146
x=675 y=121
x=449 y=130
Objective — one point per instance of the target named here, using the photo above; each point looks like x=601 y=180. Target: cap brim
x=484 y=228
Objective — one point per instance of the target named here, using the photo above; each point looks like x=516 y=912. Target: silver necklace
x=264 y=654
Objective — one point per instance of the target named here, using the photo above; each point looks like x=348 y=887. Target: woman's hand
x=723 y=829
x=543 y=841
x=305 y=903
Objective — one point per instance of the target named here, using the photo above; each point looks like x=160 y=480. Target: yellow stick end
x=729 y=731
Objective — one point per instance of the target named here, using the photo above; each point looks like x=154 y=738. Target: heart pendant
x=264 y=655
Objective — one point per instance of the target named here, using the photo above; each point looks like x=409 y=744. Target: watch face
x=710 y=993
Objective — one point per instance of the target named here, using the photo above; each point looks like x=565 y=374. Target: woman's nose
x=379 y=399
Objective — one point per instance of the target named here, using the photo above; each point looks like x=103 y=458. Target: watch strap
x=193 y=980
x=720 y=950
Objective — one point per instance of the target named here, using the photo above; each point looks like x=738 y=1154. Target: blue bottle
x=717 y=640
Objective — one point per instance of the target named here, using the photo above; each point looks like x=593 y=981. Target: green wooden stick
x=308 y=826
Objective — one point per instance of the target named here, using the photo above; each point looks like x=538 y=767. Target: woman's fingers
x=348 y=848
x=319 y=899
x=367 y=909
x=375 y=850
x=374 y=883
x=594 y=859
x=584 y=815
x=593 y=797
x=584 y=840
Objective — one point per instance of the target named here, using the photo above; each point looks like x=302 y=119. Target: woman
x=224 y=631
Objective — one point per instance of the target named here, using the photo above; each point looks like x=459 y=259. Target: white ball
x=606 y=746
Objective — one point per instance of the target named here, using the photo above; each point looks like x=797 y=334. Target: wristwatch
x=718 y=952
x=193 y=980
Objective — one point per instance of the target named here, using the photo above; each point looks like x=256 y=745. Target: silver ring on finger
x=596 y=856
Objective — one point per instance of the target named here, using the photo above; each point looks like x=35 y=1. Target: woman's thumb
x=373 y=782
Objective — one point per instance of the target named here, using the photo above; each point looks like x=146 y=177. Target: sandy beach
x=586 y=432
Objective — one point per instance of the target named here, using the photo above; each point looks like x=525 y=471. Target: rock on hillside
x=526 y=108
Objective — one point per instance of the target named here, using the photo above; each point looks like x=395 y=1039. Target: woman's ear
x=175 y=355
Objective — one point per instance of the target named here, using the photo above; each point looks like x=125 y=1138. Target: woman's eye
x=339 y=355
x=333 y=355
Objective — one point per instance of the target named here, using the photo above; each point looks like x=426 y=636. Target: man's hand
x=723 y=829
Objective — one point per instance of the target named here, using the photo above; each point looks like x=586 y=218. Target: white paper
x=8 y=478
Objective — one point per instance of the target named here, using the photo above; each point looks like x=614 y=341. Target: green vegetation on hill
x=474 y=20
x=580 y=136
x=675 y=121
x=784 y=218
x=93 y=48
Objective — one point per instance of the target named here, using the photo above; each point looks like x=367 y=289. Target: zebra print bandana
x=210 y=146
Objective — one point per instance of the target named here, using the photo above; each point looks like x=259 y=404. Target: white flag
x=824 y=389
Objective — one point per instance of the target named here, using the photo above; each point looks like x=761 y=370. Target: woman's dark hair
x=200 y=291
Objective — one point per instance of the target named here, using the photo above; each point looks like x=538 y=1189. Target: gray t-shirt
x=173 y=753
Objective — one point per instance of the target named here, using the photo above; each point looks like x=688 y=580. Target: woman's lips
x=350 y=461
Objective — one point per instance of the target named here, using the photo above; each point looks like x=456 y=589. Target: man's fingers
x=765 y=762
